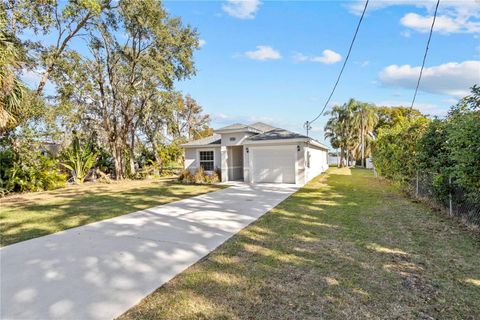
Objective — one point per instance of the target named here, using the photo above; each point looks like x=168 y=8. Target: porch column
x=224 y=163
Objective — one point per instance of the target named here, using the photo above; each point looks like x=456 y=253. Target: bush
x=199 y=177
x=394 y=151
x=33 y=173
x=447 y=149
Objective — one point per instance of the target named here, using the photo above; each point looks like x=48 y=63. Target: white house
x=258 y=153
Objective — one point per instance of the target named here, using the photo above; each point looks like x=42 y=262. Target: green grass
x=346 y=246
x=31 y=215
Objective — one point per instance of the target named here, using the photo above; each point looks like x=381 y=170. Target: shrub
x=212 y=178
x=199 y=177
x=34 y=173
x=79 y=160
x=394 y=152
x=446 y=149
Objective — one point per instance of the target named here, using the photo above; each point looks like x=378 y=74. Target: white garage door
x=273 y=164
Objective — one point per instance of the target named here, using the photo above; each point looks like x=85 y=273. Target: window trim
x=200 y=161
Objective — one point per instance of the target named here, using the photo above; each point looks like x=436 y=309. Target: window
x=206 y=160
x=233 y=138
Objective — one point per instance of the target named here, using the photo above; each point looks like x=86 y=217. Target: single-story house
x=258 y=153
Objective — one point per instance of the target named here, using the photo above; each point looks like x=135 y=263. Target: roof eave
x=292 y=140
x=247 y=129
x=200 y=145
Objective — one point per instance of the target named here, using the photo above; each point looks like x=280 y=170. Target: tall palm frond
x=12 y=90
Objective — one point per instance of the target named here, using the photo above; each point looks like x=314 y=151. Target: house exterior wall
x=192 y=160
x=230 y=140
x=234 y=139
x=309 y=160
x=316 y=161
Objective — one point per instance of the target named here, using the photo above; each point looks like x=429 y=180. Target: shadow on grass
x=344 y=246
x=64 y=209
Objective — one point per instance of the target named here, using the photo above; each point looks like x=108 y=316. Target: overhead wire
x=308 y=123
x=425 y=55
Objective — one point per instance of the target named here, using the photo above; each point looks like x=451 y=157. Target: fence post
x=416 y=187
x=450 y=195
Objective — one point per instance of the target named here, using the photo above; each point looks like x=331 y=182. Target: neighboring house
x=258 y=153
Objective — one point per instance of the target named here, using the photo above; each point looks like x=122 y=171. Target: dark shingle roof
x=277 y=134
x=214 y=139
x=261 y=126
x=267 y=133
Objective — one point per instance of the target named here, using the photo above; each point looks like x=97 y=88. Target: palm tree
x=12 y=90
x=340 y=129
x=333 y=131
x=364 y=120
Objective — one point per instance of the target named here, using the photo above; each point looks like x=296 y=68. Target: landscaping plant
x=79 y=159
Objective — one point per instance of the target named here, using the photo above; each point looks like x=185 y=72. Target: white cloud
x=300 y=57
x=242 y=9
x=454 y=16
x=263 y=53
x=443 y=24
x=364 y=63
x=453 y=78
x=31 y=77
x=451 y=101
x=201 y=43
x=327 y=57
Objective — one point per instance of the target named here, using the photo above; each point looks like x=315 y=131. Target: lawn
x=31 y=215
x=346 y=246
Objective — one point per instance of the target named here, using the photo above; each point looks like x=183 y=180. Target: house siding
x=192 y=161
x=318 y=161
x=238 y=138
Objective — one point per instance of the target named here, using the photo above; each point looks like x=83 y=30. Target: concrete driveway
x=100 y=270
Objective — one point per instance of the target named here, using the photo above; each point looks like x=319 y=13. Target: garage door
x=273 y=164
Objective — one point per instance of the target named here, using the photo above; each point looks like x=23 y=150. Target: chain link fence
x=445 y=195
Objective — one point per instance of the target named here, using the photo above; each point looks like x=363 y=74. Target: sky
x=276 y=61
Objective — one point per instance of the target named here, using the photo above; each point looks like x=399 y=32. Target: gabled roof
x=213 y=140
x=235 y=126
x=257 y=127
x=262 y=126
x=277 y=134
x=283 y=134
x=262 y=133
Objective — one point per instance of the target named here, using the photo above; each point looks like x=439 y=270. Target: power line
x=308 y=123
x=425 y=55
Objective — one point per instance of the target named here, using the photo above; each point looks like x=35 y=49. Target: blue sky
x=234 y=84
x=276 y=61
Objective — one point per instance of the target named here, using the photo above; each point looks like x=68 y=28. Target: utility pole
x=307 y=127
x=363 y=143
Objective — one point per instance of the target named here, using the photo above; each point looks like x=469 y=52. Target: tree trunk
x=118 y=161
x=131 y=156
x=118 y=166
x=341 y=157
x=43 y=81
x=363 y=148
